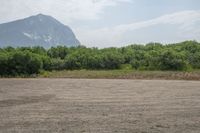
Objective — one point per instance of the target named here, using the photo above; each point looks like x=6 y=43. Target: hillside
x=40 y=30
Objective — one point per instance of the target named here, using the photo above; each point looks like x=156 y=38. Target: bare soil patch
x=99 y=106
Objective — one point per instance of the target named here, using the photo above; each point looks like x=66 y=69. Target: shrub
x=24 y=63
x=171 y=60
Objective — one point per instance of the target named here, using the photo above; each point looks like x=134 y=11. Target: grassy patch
x=122 y=74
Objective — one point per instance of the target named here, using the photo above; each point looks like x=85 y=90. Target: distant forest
x=182 y=56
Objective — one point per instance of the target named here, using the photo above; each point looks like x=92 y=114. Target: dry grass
x=122 y=74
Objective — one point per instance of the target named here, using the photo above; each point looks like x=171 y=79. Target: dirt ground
x=99 y=106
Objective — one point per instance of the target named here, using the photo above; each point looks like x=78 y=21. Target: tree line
x=152 y=56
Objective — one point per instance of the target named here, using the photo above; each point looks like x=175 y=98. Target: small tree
x=171 y=60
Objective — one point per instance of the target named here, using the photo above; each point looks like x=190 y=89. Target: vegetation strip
x=26 y=61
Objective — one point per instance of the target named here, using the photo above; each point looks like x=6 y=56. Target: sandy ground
x=99 y=106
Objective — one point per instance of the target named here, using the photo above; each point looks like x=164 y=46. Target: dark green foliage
x=194 y=59
x=111 y=58
x=3 y=63
x=19 y=63
x=171 y=60
x=153 y=56
x=56 y=64
x=47 y=62
x=24 y=63
x=58 y=52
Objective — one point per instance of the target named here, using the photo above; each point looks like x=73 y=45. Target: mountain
x=37 y=30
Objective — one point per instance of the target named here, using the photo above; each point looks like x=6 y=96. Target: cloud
x=186 y=23
x=184 y=19
x=65 y=10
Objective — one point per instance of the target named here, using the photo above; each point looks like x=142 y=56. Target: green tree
x=24 y=63
x=194 y=59
x=171 y=60
x=3 y=63
x=58 y=52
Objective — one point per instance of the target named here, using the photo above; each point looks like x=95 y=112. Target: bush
x=4 y=63
x=171 y=60
x=112 y=60
x=56 y=64
x=24 y=63
x=194 y=60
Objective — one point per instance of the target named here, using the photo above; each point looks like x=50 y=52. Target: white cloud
x=184 y=19
x=186 y=22
x=64 y=10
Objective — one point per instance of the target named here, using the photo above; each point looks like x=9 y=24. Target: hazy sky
x=106 y=23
